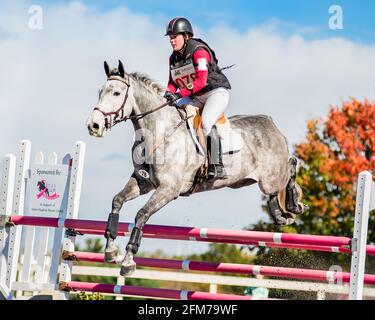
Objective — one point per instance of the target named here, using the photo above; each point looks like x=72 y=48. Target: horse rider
x=196 y=79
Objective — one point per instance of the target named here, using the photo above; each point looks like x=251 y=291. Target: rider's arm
x=201 y=60
x=171 y=86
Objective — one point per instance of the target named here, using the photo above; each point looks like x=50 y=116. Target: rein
x=141 y=115
x=183 y=119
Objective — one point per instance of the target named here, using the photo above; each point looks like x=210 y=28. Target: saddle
x=231 y=141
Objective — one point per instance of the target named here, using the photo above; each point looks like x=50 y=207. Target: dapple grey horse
x=166 y=160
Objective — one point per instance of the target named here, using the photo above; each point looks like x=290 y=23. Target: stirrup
x=216 y=172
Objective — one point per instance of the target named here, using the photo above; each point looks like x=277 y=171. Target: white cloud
x=49 y=82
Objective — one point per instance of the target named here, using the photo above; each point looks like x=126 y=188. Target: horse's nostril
x=95 y=126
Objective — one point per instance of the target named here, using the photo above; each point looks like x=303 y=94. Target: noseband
x=118 y=115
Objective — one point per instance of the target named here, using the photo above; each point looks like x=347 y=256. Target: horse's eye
x=116 y=93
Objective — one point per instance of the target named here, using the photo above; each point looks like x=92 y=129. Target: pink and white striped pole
x=370 y=248
x=151 y=292
x=274 y=239
x=187 y=265
x=191 y=232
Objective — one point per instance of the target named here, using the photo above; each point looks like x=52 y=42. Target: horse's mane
x=147 y=82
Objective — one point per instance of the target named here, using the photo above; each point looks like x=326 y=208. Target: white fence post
x=6 y=203
x=44 y=236
x=73 y=208
x=359 y=241
x=120 y=282
x=22 y=170
x=57 y=238
x=213 y=288
x=320 y=295
x=29 y=255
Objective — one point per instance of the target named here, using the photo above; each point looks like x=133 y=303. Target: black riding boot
x=215 y=162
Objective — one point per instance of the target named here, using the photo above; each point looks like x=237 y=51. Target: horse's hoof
x=280 y=221
x=305 y=208
x=110 y=256
x=128 y=265
x=111 y=251
x=128 y=269
x=289 y=221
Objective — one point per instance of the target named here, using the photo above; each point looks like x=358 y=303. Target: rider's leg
x=194 y=103
x=215 y=159
x=216 y=102
x=215 y=105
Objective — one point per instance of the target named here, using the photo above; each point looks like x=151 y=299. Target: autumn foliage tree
x=334 y=152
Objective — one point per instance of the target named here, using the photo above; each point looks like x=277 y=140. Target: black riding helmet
x=179 y=25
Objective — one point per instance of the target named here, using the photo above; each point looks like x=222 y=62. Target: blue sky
x=293 y=15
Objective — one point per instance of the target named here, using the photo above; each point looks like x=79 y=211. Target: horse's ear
x=121 y=68
x=106 y=68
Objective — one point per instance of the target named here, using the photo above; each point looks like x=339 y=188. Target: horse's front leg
x=162 y=196
x=133 y=189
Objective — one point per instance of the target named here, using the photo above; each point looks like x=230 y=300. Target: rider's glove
x=172 y=97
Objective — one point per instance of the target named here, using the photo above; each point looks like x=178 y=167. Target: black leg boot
x=215 y=157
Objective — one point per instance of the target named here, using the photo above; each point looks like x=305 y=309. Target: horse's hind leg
x=277 y=214
x=132 y=190
x=293 y=191
x=284 y=205
x=273 y=183
x=162 y=196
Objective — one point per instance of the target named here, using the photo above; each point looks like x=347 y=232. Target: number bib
x=183 y=74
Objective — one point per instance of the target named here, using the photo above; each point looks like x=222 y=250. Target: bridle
x=118 y=115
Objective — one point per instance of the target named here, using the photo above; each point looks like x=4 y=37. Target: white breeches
x=213 y=103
